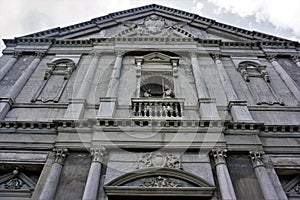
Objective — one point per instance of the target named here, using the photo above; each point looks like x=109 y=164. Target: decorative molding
x=17 y=54
x=215 y=56
x=159 y=160
x=160 y=182
x=40 y=54
x=219 y=156
x=295 y=58
x=98 y=153
x=16 y=181
x=272 y=57
x=257 y=158
x=60 y=155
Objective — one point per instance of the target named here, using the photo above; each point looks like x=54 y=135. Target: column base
x=75 y=109
x=107 y=107
x=208 y=109
x=239 y=111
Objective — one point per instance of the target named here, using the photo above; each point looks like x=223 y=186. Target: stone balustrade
x=157 y=107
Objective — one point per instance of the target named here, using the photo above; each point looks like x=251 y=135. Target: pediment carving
x=154 y=26
x=16 y=180
x=159 y=160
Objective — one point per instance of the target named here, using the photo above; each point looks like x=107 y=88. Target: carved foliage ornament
x=219 y=156
x=60 y=155
x=160 y=182
x=257 y=158
x=159 y=160
x=153 y=25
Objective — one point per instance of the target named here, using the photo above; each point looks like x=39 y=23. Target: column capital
x=120 y=53
x=98 y=153
x=216 y=56
x=257 y=158
x=60 y=155
x=272 y=57
x=295 y=58
x=40 y=54
x=219 y=156
x=193 y=54
x=96 y=53
x=17 y=54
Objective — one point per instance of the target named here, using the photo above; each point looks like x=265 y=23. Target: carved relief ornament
x=219 y=156
x=159 y=160
x=257 y=158
x=98 y=153
x=160 y=182
x=60 y=155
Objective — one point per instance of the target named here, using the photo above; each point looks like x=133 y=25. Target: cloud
x=283 y=15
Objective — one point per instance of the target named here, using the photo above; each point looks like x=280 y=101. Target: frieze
x=160 y=182
x=159 y=160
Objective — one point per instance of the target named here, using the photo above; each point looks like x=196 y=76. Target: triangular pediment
x=152 y=21
x=16 y=180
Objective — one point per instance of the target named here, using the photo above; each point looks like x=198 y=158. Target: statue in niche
x=147 y=94
x=168 y=93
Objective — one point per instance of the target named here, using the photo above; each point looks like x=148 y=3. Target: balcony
x=157 y=107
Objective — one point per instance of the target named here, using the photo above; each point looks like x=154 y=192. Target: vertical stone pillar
x=115 y=76
x=261 y=173
x=49 y=189
x=201 y=86
x=92 y=183
x=226 y=82
x=9 y=64
x=174 y=63
x=76 y=106
x=226 y=187
x=19 y=84
x=238 y=109
x=138 y=62
x=290 y=83
x=89 y=76
x=295 y=59
x=108 y=104
x=207 y=106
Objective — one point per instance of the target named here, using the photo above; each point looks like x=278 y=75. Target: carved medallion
x=159 y=160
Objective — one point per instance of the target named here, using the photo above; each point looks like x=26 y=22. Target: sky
x=275 y=17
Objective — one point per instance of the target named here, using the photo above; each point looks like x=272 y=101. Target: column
x=108 y=103
x=76 y=106
x=92 y=183
x=290 y=83
x=225 y=184
x=207 y=106
x=48 y=192
x=115 y=76
x=9 y=64
x=261 y=173
x=296 y=59
x=238 y=109
x=19 y=84
x=138 y=62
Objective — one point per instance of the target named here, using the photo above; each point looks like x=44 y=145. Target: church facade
x=150 y=103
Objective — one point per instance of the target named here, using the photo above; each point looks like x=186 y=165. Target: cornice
x=139 y=122
x=192 y=19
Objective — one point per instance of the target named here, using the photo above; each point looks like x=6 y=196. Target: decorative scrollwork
x=160 y=182
x=159 y=160
x=14 y=184
x=60 y=155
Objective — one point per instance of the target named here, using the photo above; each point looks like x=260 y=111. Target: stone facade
x=151 y=102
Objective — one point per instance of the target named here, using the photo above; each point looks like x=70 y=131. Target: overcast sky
x=275 y=17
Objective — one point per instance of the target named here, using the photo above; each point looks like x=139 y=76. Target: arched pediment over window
x=159 y=182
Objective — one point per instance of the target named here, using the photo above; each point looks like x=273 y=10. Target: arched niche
x=159 y=182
